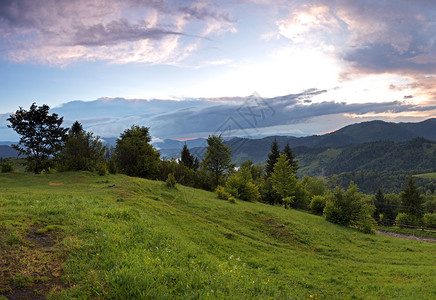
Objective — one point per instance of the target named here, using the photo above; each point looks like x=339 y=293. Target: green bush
x=222 y=193
x=349 y=208
x=241 y=186
x=101 y=169
x=430 y=220
x=171 y=181
x=7 y=167
x=317 y=204
x=404 y=220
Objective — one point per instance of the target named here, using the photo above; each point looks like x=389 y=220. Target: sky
x=317 y=64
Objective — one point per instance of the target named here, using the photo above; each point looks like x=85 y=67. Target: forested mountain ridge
x=416 y=154
x=372 y=131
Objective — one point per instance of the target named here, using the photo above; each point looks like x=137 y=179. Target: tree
x=379 y=202
x=82 y=151
x=241 y=185
x=291 y=157
x=134 y=154
x=349 y=208
x=41 y=133
x=411 y=199
x=217 y=159
x=272 y=158
x=186 y=158
x=284 y=181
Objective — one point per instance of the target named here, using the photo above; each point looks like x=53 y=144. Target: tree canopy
x=82 y=151
x=272 y=158
x=217 y=159
x=41 y=134
x=135 y=156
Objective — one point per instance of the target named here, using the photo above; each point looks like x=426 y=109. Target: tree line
x=47 y=145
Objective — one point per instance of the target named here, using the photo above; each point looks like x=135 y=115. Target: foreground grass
x=78 y=235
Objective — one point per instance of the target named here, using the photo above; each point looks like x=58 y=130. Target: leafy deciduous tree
x=284 y=181
x=41 y=133
x=217 y=159
x=134 y=154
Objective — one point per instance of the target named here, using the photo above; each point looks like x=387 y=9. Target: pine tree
x=411 y=199
x=379 y=203
x=186 y=158
x=291 y=157
x=272 y=158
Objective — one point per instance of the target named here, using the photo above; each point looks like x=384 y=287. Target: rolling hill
x=80 y=235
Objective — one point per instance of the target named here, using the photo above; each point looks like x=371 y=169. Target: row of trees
x=47 y=145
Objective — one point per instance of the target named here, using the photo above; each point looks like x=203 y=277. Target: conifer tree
x=186 y=158
x=272 y=158
x=82 y=151
x=291 y=157
x=411 y=199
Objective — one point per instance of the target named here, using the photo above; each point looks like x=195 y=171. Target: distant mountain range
x=7 y=151
x=257 y=149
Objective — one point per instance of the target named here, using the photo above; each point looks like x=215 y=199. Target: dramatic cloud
x=250 y=116
x=60 y=32
x=375 y=36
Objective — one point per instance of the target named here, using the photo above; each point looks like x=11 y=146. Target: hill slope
x=125 y=238
x=7 y=151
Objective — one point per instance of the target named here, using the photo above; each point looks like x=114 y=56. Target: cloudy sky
x=341 y=61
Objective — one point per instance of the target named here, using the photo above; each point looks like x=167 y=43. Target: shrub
x=240 y=185
x=171 y=181
x=7 y=167
x=349 y=208
x=317 y=204
x=101 y=169
x=404 y=220
x=430 y=220
x=222 y=193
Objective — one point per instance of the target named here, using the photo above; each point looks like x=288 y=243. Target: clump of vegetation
x=349 y=208
x=171 y=181
x=317 y=204
x=6 y=167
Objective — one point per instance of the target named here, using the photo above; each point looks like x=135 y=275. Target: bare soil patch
x=32 y=269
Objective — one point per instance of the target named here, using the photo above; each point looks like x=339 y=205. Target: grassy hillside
x=427 y=176
x=79 y=235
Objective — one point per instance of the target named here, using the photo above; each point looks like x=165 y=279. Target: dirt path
x=408 y=236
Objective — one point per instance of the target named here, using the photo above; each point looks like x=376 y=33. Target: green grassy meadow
x=426 y=175
x=80 y=235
